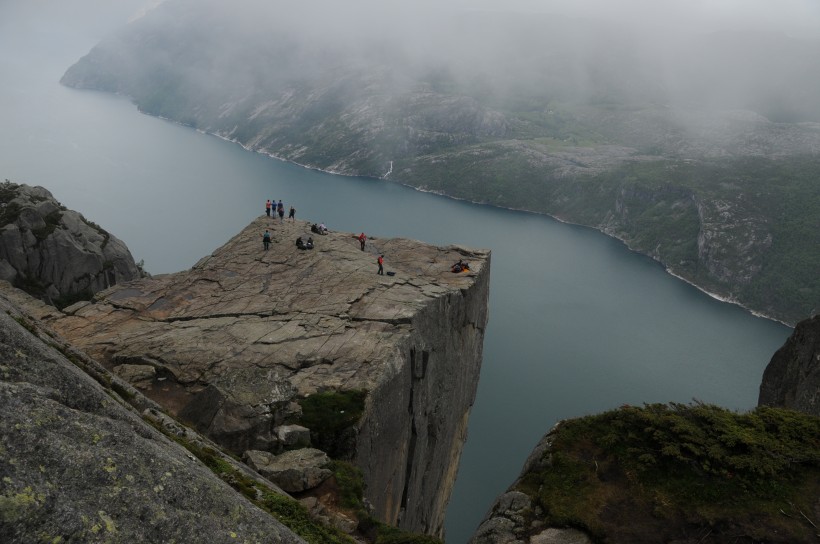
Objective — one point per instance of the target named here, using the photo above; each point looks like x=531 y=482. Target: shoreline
x=668 y=270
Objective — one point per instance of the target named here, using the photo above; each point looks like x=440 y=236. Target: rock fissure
x=386 y=321
x=411 y=447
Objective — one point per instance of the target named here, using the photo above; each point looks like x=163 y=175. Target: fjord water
x=578 y=323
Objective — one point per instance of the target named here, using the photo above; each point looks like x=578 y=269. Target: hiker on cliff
x=267 y=208
x=266 y=240
x=380 y=262
x=362 y=240
x=292 y=214
x=281 y=210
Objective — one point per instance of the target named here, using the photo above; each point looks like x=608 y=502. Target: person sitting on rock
x=309 y=244
x=322 y=228
x=314 y=228
x=460 y=266
x=300 y=243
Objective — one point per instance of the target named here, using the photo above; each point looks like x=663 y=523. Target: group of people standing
x=272 y=209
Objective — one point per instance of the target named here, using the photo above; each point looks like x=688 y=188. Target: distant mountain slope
x=685 y=146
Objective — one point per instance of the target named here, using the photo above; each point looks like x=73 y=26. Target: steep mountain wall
x=792 y=377
x=241 y=342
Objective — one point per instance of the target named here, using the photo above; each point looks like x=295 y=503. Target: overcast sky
x=793 y=16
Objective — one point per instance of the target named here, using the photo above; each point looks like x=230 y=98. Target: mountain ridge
x=602 y=143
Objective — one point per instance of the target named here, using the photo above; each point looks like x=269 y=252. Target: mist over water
x=578 y=323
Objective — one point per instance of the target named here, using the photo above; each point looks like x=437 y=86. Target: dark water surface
x=578 y=324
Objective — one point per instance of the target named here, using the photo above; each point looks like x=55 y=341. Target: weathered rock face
x=792 y=377
x=246 y=332
x=671 y=474
x=78 y=466
x=513 y=516
x=54 y=253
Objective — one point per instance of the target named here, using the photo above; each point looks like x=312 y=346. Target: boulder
x=53 y=253
x=293 y=435
x=137 y=375
x=294 y=471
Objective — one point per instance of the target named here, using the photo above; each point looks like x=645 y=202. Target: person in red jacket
x=380 y=261
x=362 y=240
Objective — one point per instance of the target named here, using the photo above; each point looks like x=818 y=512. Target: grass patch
x=332 y=417
x=677 y=469
x=350 y=483
x=295 y=516
x=285 y=509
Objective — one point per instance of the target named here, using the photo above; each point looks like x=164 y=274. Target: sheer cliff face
x=232 y=344
x=53 y=253
x=792 y=377
x=421 y=406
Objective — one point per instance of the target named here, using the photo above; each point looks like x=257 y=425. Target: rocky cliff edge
x=792 y=377
x=236 y=345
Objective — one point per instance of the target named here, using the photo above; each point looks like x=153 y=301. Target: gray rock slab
x=294 y=471
x=246 y=332
x=78 y=466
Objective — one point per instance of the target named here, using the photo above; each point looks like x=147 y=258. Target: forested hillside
x=700 y=150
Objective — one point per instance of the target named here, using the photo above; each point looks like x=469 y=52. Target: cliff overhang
x=236 y=343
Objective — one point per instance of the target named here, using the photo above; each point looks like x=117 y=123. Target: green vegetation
x=350 y=487
x=104 y=233
x=772 y=220
x=288 y=511
x=9 y=212
x=350 y=492
x=642 y=474
x=767 y=237
x=521 y=129
x=331 y=417
x=52 y=221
